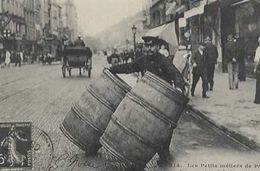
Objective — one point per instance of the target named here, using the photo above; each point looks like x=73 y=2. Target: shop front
x=247 y=26
x=204 y=20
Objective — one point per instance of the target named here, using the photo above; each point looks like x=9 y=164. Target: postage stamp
x=16 y=145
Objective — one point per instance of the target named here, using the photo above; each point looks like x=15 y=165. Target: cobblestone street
x=38 y=93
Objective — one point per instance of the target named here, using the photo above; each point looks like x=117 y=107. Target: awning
x=194 y=11
x=198 y=10
x=167 y=33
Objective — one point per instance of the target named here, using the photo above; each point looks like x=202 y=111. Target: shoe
x=192 y=94
x=231 y=88
x=211 y=89
x=205 y=96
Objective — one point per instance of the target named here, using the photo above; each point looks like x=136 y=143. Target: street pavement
x=39 y=94
x=233 y=111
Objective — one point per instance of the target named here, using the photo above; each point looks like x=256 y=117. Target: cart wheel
x=69 y=72
x=89 y=72
x=63 y=71
x=79 y=71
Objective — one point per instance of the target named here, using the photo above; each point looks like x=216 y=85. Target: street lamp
x=134 y=35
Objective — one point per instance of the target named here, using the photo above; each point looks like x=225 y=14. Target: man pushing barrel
x=161 y=66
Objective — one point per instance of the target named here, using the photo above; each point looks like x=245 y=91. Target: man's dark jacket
x=201 y=61
x=212 y=53
x=156 y=64
x=231 y=51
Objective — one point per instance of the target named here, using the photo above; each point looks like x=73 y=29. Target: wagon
x=77 y=57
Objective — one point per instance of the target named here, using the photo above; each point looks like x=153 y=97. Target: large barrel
x=86 y=121
x=143 y=121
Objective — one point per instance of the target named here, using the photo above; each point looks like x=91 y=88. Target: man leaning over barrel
x=161 y=66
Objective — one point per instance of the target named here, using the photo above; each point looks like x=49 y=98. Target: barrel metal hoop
x=118 y=81
x=82 y=117
x=169 y=95
x=134 y=134
x=71 y=138
x=117 y=94
x=156 y=80
x=111 y=149
x=148 y=107
x=101 y=99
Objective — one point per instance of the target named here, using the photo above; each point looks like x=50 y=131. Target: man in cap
x=161 y=66
x=154 y=62
x=212 y=55
x=199 y=61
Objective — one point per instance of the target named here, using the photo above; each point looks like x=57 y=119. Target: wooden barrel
x=88 y=117
x=143 y=121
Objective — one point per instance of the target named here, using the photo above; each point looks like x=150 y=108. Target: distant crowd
x=18 y=57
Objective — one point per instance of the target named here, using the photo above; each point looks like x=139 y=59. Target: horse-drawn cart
x=77 y=57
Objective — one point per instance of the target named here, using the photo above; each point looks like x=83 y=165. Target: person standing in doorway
x=257 y=71
x=199 y=63
x=232 y=62
x=212 y=54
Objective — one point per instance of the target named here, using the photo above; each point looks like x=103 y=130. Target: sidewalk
x=232 y=111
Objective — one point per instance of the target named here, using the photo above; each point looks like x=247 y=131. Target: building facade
x=29 y=14
x=69 y=18
x=16 y=24
x=213 y=18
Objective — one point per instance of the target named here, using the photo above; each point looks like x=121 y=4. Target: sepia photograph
x=129 y=85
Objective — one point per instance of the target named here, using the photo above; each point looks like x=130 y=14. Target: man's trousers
x=196 y=77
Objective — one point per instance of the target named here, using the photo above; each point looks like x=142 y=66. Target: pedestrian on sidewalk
x=240 y=47
x=18 y=59
x=257 y=71
x=232 y=62
x=199 y=63
x=7 y=58
x=21 y=55
x=1 y=59
x=212 y=54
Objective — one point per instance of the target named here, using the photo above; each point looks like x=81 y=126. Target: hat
x=149 y=42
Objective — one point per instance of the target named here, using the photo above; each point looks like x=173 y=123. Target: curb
x=243 y=140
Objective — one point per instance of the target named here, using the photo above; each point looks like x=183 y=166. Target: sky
x=97 y=15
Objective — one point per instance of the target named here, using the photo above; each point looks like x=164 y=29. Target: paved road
x=39 y=94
